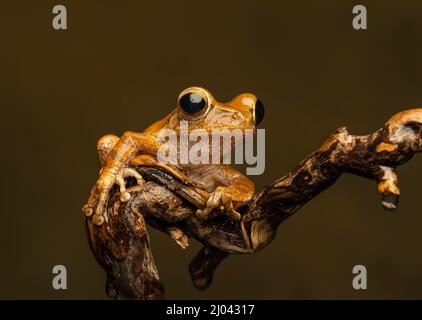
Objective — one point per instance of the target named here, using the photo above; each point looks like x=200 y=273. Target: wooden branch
x=121 y=245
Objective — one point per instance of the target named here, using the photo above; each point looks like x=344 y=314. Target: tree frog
x=229 y=189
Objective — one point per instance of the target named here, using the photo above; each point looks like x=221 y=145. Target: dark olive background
x=121 y=65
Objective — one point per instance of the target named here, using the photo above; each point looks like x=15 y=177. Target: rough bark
x=122 y=246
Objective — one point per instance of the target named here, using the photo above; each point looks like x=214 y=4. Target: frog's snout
x=248 y=102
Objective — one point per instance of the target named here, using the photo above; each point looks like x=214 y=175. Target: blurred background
x=121 y=65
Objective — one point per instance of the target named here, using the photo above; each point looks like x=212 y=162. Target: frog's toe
x=223 y=202
x=95 y=206
x=202 y=214
x=121 y=182
x=130 y=172
x=214 y=201
x=98 y=217
x=225 y=208
x=233 y=214
x=87 y=210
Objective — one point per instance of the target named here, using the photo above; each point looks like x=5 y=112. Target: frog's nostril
x=259 y=111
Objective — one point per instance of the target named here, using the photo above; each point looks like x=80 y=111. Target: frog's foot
x=179 y=237
x=100 y=192
x=220 y=199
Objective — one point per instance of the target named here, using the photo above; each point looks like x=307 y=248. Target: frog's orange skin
x=230 y=188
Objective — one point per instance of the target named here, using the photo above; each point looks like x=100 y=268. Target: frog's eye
x=192 y=102
x=259 y=112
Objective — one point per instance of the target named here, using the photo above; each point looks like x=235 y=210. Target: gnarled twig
x=122 y=247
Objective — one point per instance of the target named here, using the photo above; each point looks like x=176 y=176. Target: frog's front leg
x=104 y=147
x=232 y=190
x=115 y=155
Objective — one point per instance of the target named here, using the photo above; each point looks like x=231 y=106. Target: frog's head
x=198 y=106
x=199 y=112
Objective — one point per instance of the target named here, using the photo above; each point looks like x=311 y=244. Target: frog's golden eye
x=192 y=103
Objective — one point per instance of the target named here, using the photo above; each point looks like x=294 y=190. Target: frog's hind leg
x=203 y=266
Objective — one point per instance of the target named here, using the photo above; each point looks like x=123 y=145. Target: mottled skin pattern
x=168 y=200
x=230 y=188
